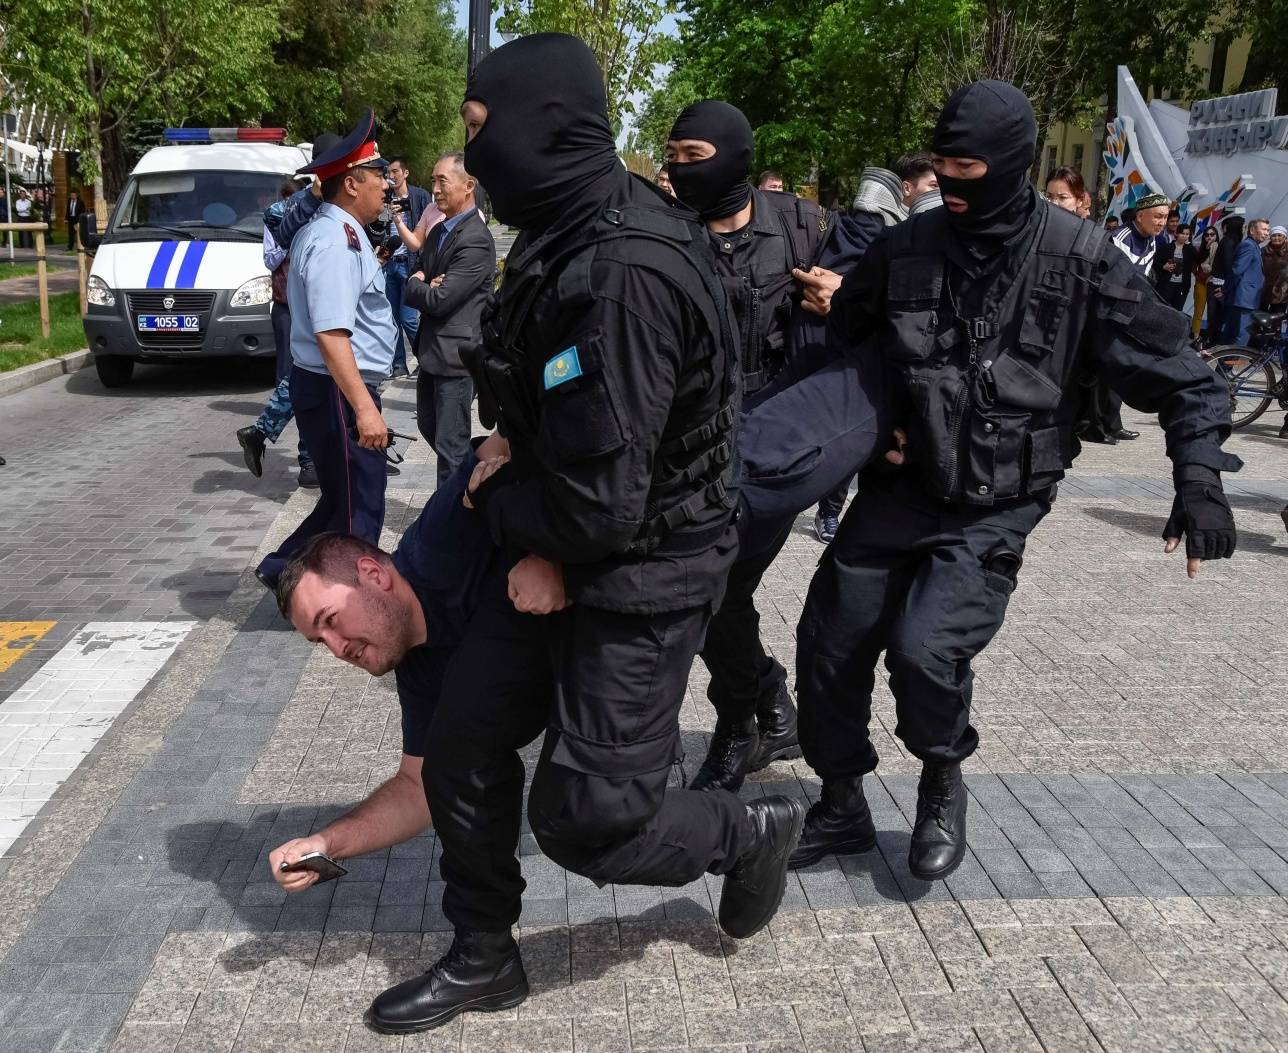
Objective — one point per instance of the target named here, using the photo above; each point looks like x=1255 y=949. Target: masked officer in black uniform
x=709 y=155
x=990 y=309
x=609 y=359
x=759 y=237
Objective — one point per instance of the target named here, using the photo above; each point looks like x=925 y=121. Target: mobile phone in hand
x=326 y=868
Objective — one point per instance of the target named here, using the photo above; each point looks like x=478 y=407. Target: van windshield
x=207 y=205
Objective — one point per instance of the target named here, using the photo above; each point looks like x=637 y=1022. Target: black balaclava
x=992 y=121
x=546 y=142
x=717 y=187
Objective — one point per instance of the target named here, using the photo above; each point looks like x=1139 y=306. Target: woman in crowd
x=1231 y=236
x=1274 y=263
x=1066 y=189
x=1174 y=268
x=1204 y=257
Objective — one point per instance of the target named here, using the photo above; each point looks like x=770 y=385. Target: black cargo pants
x=926 y=582
x=606 y=689
x=742 y=674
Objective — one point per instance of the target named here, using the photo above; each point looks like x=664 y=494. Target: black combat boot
x=729 y=757
x=939 y=838
x=839 y=823
x=754 y=888
x=480 y=972
x=251 y=440
x=776 y=721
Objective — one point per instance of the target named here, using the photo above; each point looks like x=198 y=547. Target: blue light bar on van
x=224 y=135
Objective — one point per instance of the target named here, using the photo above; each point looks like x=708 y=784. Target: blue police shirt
x=445 y=555
x=336 y=283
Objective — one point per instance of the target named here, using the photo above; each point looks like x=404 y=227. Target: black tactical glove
x=1201 y=514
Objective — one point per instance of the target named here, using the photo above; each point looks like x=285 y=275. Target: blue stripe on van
x=190 y=265
x=161 y=264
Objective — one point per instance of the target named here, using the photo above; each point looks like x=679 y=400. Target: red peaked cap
x=357 y=148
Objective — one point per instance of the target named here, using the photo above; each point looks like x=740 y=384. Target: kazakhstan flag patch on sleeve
x=564 y=366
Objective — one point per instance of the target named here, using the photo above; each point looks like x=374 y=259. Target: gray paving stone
x=1076 y=696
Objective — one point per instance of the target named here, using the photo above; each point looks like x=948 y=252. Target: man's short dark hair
x=399 y=159
x=333 y=557
x=1173 y=213
x=910 y=166
x=331 y=187
x=769 y=173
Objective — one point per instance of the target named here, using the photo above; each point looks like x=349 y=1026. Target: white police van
x=179 y=273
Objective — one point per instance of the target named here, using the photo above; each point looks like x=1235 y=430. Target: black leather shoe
x=754 y=888
x=251 y=440
x=308 y=477
x=729 y=757
x=776 y=721
x=1125 y=436
x=481 y=972
x=939 y=837
x=838 y=823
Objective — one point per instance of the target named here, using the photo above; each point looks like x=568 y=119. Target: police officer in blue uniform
x=342 y=333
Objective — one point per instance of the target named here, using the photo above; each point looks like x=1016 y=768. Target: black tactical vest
x=761 y=290
x=696 y=468
x=988 y=420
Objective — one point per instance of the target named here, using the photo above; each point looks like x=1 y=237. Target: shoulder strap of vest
x=1065 y=234
x=805 y=224
x=671 y=230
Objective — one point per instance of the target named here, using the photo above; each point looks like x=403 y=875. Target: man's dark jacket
x=450 y=311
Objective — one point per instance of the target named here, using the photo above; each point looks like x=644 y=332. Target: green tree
x=625 y=35
x=1265 y=21
x=106 y=63
x=661 y=106
x=403 y=58
x=828 y=85
x=1152 y=37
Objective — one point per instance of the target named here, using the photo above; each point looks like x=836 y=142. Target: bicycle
x=1257 y=374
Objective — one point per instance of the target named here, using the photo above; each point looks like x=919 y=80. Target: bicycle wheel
x=1251 y=380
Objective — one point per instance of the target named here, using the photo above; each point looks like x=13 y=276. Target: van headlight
x=254 y=292
x=97 y=292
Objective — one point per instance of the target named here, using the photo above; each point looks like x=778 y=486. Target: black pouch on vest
x=580 y=414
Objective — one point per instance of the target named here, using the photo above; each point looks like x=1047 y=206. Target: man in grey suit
x=460 y=256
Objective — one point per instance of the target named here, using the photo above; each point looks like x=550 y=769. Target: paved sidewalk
x=1125 y=888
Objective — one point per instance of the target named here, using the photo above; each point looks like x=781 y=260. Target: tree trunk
x=1267 y=64
x=115 y=163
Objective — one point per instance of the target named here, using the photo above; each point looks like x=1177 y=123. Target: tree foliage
x=119 y=69
x=106 y=63
x=625 y=35
x=828 y=84
x=833 y=85
x=1265 y=22
x=403 y=58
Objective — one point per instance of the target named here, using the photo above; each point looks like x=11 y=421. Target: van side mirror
x=90 y=238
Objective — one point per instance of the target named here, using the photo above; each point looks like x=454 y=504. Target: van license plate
x=169 y=323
